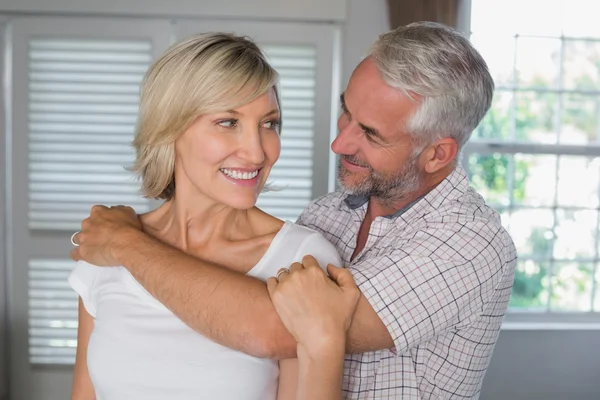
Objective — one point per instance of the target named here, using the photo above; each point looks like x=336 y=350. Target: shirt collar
x=354 y=201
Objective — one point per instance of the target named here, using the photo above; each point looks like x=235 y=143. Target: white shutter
x=74 y=84
x=292 y=175
x=52 y=313
x=83 y=102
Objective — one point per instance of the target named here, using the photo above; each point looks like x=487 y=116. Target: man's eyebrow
x=370 y=131
x=343 y=102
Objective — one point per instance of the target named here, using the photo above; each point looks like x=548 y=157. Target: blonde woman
x=206 y=140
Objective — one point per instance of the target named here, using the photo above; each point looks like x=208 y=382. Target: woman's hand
x=314 y=308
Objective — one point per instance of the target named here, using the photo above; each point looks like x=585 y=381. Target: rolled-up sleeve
x=435 y=283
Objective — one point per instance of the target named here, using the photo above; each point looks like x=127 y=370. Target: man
x=433 y=263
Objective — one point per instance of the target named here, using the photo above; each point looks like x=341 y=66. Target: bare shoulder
x=264 y=223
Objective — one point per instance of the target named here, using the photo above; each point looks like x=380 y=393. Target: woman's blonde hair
x=204 y=73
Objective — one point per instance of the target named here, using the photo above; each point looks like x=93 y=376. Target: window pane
x=531 y=231
x=571 y=286
x=536 y=113
x=514 y=16
x=490 y=177
x=575 y=234
x=582 y=65
x=530 y=287
x=498 y=51
x=582 y=191
x=497 y=123
x=579 y=119
x=535 y=180
x=537 y=62
x=580 y=18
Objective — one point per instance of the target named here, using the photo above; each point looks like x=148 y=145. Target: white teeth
x=238 y=174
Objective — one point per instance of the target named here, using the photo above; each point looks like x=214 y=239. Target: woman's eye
x=228 y=123
x=272 y=125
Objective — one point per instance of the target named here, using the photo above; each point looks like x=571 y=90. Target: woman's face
x=227 y=156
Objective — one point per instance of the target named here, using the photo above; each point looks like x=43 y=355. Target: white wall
x=3 y=280
x=328 y=10
x=365 y=21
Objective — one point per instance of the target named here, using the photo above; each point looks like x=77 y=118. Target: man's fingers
x=97 y=208
x=74 y=254
x=341 y=276
x=272 y=285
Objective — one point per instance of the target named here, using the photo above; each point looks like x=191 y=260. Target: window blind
x=83 y=102
x=52 y=313
x=293 y=173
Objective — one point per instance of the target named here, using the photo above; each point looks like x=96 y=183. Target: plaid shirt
x=439 y=275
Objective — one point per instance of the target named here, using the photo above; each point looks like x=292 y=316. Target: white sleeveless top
x=139 y=350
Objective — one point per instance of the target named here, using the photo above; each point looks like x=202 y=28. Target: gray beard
x=386 y=188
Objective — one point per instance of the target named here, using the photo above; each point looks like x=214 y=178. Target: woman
x=206 y=140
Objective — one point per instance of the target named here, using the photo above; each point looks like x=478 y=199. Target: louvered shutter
x=73 y=105
x=83 y=102
x=52 y=312
x=292 y=175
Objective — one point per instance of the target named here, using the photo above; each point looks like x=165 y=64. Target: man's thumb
x=341 y=276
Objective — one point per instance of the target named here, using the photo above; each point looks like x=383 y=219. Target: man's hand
x=103 y=232
x=314 y=308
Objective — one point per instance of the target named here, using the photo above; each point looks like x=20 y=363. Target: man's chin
x=353 y=187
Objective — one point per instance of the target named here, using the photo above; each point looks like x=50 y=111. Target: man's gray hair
x=440 y=64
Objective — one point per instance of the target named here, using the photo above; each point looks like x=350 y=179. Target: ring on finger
x=73 y=239
x=282 y=271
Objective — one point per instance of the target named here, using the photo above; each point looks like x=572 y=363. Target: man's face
x=377 y=158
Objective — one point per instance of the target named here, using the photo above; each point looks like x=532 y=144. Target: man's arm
x=232 y=309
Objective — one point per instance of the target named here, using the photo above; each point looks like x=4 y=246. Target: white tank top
x=139 y=350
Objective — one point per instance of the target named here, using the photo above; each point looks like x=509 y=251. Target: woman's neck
x=189 y=222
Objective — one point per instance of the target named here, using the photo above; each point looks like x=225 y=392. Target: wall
x=544 y=365
x=3 y=280
x=365 y=21
x=328 y=10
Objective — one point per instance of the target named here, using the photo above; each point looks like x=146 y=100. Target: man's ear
x=438 y=155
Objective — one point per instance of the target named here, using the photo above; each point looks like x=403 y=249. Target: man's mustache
x=356 y=161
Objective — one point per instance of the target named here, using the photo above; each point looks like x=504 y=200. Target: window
x=535 y=156
x=73 y=103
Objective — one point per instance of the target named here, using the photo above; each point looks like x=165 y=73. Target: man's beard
x=385 y=187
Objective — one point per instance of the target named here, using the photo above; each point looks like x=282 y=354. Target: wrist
x=122 y=241
x=329 y=346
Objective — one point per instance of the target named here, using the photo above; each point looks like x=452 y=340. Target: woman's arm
x=288 y=379
x=83 y=389
x=318 y=313
x=320 y=371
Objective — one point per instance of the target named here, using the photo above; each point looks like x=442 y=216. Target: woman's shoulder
x=311 y=242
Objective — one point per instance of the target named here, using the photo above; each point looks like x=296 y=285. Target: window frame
x=516 y=319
